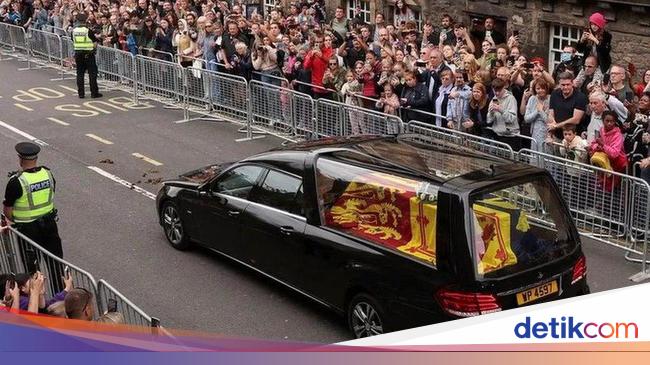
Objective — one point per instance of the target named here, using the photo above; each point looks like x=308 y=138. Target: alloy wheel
x=173 y=226
x=366 y=321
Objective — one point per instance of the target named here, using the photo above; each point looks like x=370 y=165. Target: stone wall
x=629 y=23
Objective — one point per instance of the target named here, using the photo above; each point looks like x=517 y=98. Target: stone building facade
x=545 y=26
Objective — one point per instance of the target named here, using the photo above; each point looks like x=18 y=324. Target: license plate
x=535 y=293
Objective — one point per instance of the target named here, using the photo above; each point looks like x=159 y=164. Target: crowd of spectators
x=469 y=77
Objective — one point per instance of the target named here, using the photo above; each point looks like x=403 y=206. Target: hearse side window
x=280 y=191
x=393 y=211
x=238 y=182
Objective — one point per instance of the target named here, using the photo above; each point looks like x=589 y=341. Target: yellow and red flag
x=385 y=209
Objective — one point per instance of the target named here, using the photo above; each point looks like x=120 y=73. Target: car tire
x=173 y=227
x=366 y=317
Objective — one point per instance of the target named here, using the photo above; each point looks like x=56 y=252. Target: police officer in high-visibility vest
x=84 y=55
x=29 y=204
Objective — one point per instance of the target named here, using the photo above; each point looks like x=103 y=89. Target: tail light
x=579 y=270
x=466 y=304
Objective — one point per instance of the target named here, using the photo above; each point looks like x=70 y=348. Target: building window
x=416 y=11
x=559 y=37
x=418 y=19
x=269 y=5
x=363 y=5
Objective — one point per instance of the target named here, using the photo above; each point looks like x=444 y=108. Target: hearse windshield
x=517 y=228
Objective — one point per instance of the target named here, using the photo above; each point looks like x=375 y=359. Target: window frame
x=268 y=6
x=351 y=5
x=215 y=181
x=552 y=51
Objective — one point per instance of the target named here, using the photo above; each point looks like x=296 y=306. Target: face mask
x=566 y=57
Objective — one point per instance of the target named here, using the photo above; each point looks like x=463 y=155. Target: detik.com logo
x=568 y=327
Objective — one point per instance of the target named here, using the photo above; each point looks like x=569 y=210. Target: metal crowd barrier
x=271 y=109
x=19 y=254
x=327 y=93
x=478 y=143
x=117 y=67
x=216 y=95
x=607 y=206
x=131 y=313
x=48 y=48
x=161 y=55
x=339 y=119
x=159 y=80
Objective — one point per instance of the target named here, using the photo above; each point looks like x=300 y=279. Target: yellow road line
x=21 y=106
x=68 y=88
x=146 y=159
x=58 y=121
x=99 y=139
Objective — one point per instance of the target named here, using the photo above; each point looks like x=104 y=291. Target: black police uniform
x=85 y=60
x=43 y=230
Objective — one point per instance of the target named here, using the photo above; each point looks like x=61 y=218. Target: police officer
x=29 y=203
x=84 y=54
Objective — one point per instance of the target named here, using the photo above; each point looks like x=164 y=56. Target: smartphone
x=66 y=271
x=606 y=79
x=112 y=305
x=515 y=33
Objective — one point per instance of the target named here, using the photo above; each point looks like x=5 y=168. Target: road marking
x=98 y=139
x=58 y=121
x=147 y=159
x=21 y=106
x=24 y=134
x=123 y=182
x=68 y=88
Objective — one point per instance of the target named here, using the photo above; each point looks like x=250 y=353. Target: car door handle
x=234 y=213
x=286 y=230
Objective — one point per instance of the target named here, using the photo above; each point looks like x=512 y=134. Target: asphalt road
x=112 y=231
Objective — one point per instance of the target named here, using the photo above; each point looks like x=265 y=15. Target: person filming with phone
x=597 y=42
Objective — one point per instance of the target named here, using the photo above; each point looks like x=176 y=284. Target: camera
x=420 y=63
x=606 y=79
x=528 y=65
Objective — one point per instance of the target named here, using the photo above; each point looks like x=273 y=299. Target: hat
x=600 y=159
x=28 y=150
x=598 y=19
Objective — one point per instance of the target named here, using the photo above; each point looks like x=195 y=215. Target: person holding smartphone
x=597 y=42
x=502 y=115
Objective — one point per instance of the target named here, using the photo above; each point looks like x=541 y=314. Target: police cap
x=28 y=150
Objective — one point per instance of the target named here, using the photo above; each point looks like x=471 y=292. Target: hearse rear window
x=390 y=210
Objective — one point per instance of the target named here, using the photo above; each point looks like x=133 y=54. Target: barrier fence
x=616 y=216
x=20 y=254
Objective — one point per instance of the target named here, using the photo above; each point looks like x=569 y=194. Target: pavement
x=98 y=147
